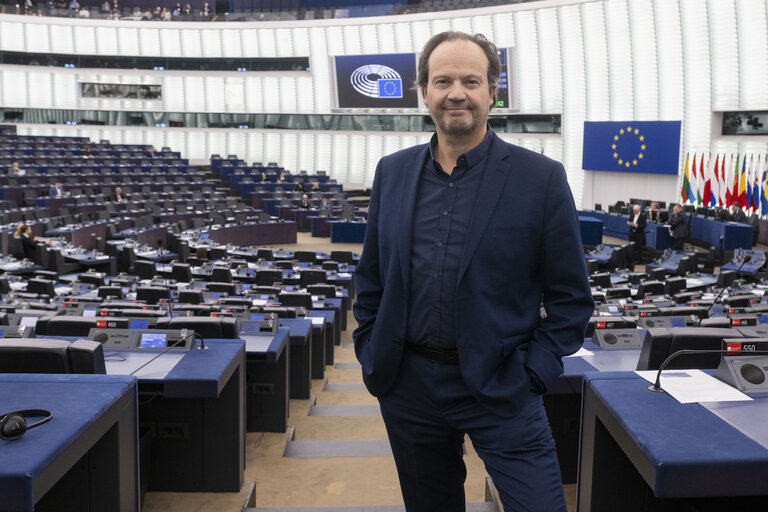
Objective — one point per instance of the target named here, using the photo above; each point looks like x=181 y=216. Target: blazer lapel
x=409 y=174
x=494 y=176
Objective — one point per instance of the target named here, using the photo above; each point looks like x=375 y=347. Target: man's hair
x=490 y=50
x=737 y=204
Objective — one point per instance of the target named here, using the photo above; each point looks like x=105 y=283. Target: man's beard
x=459 y=126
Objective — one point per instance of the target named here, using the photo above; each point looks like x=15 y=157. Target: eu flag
x=390 y=88
x=632 y=146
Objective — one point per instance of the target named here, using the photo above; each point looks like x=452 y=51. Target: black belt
x=436 y=354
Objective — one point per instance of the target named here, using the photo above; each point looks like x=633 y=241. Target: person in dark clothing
x=637 y=223
x=28 y=243
x=737 y=214
x=678 y=228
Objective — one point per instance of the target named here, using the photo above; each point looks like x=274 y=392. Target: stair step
x=344 y=410
x=344 y=388
x=471 y=507
x=315 y=449
x=347 y=366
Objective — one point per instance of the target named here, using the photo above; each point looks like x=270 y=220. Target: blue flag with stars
x=390 y=88
x=632 y=146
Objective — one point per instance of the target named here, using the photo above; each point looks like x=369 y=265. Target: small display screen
x=89 y=312
x=678 y=322
x=138 y=324
x=152 y=340
x=250 y=328
x=257 y=317
x=28 y=321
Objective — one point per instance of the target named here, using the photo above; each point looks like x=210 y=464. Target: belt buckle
x=435 y=354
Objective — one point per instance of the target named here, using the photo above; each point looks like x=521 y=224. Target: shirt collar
x=472 y=157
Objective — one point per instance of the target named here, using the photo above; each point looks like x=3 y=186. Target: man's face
x=677 y=208
x=457 y=92
x=636 y=209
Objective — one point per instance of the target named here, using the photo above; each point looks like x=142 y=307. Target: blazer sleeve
x=368 y=285
x=566 y=294
x=642 y=221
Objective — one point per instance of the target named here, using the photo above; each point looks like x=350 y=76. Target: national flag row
x=725 y=179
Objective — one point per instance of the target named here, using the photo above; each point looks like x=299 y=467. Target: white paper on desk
x=582 y=352
x=344 y=274
x=317 y=320
x=691 y=386
x=260 y=302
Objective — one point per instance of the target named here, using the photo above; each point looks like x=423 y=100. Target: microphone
x=747 y=259
x=656 y=386
x=165 y=279
x=175 y=343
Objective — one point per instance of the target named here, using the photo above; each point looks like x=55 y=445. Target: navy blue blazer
x=523 y=248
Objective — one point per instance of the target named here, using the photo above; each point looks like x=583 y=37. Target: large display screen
x=375 y=81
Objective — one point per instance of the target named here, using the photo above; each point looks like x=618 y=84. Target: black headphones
x=13 y=425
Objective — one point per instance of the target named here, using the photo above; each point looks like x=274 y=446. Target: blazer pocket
x=517 y=343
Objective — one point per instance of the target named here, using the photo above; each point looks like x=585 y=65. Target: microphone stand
x=183 y=338
x=656 y=386
x=747 y=259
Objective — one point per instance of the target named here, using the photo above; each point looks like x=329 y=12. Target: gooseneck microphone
x=747 y=259
x=656 y=386
x=169 y=347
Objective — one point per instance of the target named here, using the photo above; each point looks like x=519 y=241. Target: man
x=466 y=237
x=119 y=197
x=55 y=190
x=637 y=223
x=737 y=214
x=678 y=228
x=16 y=170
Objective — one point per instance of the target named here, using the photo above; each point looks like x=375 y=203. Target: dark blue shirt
x=444 y=205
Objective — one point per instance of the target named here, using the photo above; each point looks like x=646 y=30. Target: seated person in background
x=678 y=228
x=281 y=178
x=87 y=153
x=737 y=214
x=637 y=223
x=654 y=212
x=325 y=208
x=23 y=233
x=263 y=176
x=304 y=203
x=56 y=191
x=300 y=186
x=119 y=197
x=315 y=187
x=16 y=170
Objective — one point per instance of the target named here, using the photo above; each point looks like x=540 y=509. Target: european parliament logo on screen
x=632 y=146
x=376 y=81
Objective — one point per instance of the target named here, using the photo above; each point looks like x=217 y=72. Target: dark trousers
x=428 y=411
x=678 y=244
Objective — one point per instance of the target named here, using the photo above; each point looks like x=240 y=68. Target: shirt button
x=439 y=243
x=450 y=184
x=435 y=275
x=445 y=212
x=435 y=308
